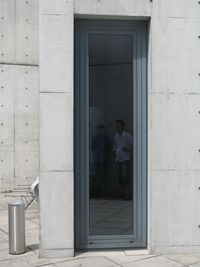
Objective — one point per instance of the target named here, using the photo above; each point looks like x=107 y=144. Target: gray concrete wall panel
x=176 y=8
x=19 y=125
x=56 y=186
x=6 y=107
x=175 y=55
x=56 y=128
x=7 y=18
x=6 y=127
x=19 y=92
x=7 y=168
x=26 y=125
x=56 y=7
x=173 y=129
x=113 y=7
x=177 y=223
x=56 y=52
x=56 y=147
x=26 y=164
x=19 y=32
x=172 y=150
x=26 y=32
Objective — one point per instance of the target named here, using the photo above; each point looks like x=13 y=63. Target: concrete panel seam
x=150 y=257
x=55 y=248
x=57 y=170
x=174 y=170
x=20 y=64
x=192 y=18
x=44 y=14
x=188 y=18
x=14 y=32
x=55 y=92
x=14 y=139
x=171 y=246
x=175 y=94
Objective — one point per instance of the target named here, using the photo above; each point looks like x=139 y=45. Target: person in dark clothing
x=100 y=148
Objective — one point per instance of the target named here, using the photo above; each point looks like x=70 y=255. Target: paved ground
x=125 y=258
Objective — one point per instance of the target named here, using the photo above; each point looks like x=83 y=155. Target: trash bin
x=16 y=225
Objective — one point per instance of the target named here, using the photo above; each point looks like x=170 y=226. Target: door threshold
x=110 y=252
x=132 y=252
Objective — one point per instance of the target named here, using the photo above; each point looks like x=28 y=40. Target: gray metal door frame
x=138 y=31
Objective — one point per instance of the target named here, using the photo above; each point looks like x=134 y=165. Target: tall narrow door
x=110 y=134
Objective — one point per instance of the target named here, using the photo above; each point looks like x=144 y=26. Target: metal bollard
x=16 y=222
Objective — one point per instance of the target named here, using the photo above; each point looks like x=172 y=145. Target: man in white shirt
x=123 y=148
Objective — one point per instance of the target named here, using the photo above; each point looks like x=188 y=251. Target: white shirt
x=120 y=142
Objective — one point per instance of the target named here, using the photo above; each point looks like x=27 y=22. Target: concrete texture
x=124 y=8
x=176 y=9
x=173 y=127
x=112 y=258
x=7 y=127
x=26 y=31
x=19 y=125
x=175 y=53
x=56 y=129
x=18 y=92
x=58 y=7
x=19 y=32
x=169 y=112
x=182 y=229
x=56 y=53
x=56 y=133
x=58 y=232
x=7 y=27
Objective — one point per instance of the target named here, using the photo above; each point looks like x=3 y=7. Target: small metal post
x=16 y=222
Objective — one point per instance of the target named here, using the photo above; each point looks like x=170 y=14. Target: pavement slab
x=4 y=255
x=154 y=261
x=195 y=265
x=123 y=259
x=186 y=260
x=25 y=261
x=87 y=262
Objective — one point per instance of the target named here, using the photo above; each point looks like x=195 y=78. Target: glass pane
x=111 y=131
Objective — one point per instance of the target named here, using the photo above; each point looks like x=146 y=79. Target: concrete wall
x=174 y=127
x=56 y=128
x=18 y=92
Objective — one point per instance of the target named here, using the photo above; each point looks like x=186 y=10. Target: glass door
x=110 y=128
x=111 y=134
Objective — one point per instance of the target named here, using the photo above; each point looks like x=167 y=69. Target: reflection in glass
x=111 y=131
